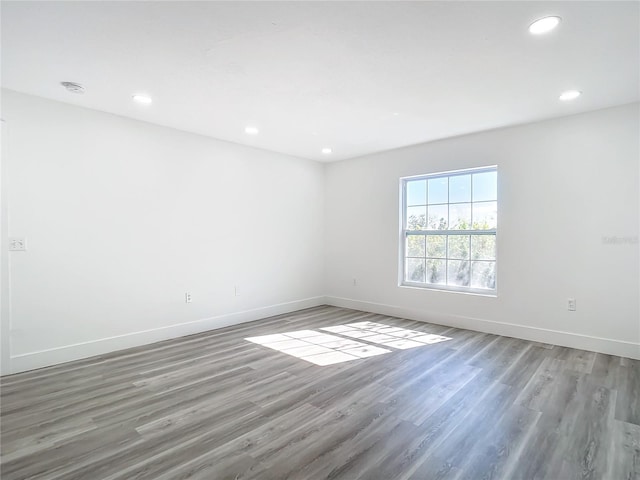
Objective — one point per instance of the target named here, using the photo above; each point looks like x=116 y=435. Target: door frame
x=5 y=274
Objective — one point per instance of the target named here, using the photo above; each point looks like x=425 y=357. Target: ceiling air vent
x=73 y=87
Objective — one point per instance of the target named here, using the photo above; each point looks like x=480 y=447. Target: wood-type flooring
x=216 y=406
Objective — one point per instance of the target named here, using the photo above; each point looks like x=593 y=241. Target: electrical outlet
x=17 y=244
x=571 y=304
x=236 y=290
x=187 y=297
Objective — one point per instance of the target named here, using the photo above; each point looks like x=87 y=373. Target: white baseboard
x=565 y=339
x=67 y=353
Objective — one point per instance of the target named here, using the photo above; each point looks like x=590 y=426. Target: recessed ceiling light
x=73 y=87
x=144 y=99
x=327 y=151
x=395 y=114
x=544 y=25
x=570 y=95
x=251 y=130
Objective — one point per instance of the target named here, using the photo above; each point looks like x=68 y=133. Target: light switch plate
x=17 y=244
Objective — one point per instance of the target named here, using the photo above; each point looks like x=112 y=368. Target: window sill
x=448 y=289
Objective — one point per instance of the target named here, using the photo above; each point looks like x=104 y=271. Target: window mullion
x=449 y=232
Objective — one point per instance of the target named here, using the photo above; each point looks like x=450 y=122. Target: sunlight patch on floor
x=386 y=335
x=317 y=347
x=325 y=349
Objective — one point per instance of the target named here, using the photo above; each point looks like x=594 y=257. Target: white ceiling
x=359 y=77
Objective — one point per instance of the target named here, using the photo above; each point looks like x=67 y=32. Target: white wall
x=123 y=217
x=563 y=185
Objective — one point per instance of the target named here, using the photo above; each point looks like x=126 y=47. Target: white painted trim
x=566 y=339
x=67 y=353
x=5 y=269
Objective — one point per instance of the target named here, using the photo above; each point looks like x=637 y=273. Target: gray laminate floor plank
x=215 y=406
x=628 y=386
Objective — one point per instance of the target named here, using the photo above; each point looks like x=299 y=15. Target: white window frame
x=404 y=233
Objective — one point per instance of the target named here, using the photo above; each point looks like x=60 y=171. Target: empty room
x=377 y=240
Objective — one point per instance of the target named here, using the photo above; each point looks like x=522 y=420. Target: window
x=449 y=225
